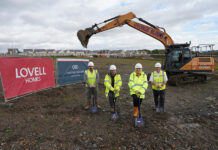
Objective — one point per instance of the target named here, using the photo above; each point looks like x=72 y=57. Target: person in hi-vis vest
x=158 y=80
x=113 y=83
x=138 y=85
x=91 y=78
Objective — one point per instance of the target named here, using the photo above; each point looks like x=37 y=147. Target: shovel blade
x=84 y=35
x=139 y=122
x=114 y=116
x=94 y=109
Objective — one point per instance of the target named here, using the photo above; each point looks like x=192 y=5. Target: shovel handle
x=139 y=107
x=114 y=100
x=93 y=99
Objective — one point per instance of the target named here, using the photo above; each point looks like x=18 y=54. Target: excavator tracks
x=181 y=79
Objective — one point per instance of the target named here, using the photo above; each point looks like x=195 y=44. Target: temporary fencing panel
x=25 y=75
x=71 y=70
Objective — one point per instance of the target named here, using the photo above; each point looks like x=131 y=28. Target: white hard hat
x=113 y=67
x=90 y=64
x=158 y=65
x=138 y=65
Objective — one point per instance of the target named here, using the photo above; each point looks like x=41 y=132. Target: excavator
x=179 y=64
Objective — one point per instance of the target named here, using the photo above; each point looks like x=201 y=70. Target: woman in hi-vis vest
x=138 y=85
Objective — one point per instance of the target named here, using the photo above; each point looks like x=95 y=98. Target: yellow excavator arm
x=149 y=29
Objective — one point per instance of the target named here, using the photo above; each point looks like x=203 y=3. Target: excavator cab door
x=176 y=58
x=180 y=57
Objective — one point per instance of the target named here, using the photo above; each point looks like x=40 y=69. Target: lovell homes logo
x=30 y=75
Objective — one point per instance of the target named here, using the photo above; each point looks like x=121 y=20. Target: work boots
x=97 y=104
x=136 y=112
x=87 y=105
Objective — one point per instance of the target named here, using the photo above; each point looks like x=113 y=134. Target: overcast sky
x=53 y=24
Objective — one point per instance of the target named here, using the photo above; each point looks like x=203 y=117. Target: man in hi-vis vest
x=158 y=80
x=91 y=78
x=138 y=85
x=113 y=83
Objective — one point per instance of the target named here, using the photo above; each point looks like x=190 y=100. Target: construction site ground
x=56 y=119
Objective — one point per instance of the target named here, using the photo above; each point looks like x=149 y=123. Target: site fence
x=21 y=76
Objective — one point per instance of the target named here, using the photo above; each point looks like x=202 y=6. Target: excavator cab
x=177 y=55
x=182 y=67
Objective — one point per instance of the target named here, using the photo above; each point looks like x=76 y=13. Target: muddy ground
x=55 y=118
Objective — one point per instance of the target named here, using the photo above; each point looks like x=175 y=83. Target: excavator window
x=176 y=58
x=186 y=56
x=180 y=57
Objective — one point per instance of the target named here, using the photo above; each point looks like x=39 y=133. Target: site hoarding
x=71 y=70
x=25 y=75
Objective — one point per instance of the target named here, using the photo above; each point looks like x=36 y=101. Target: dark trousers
x=112 y=99
x=159 y=98
x=136 y=101
x=91 y=92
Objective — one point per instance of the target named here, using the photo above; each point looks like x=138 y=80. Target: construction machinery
x=180 y=65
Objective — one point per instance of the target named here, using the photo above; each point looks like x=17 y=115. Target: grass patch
x=2 y=114
x=39 y=140
x=212 y=102
x=9 y=132
x=65 y=99
x=148 y=65
x=212 y=82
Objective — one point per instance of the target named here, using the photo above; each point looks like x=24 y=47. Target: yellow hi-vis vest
x=138 y=83
x=158 y=80
x=91 y=76
x=117 y=84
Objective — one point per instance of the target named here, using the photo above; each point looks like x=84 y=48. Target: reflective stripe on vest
x=137 y=83
x=134 y=80
x=116 y=84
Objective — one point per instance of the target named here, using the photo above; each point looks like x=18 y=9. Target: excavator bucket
x=84 y=35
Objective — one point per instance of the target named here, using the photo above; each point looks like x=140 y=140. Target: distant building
x=51 y=51
x=39 y=51
x=60 y=51
x=28 y=51
x=13 y=51
x=79 y=54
